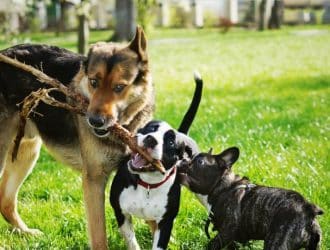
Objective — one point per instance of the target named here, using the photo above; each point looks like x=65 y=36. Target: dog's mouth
x=138 y=164
x=101 y=132
x=184 y=173
x=183 y=167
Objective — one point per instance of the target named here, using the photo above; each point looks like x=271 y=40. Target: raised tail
x=192 y=110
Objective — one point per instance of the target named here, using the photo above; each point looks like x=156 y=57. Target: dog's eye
x=94 y=83
x=152 y=128
x=200 y=162
x=171 y=143
x=119 y=88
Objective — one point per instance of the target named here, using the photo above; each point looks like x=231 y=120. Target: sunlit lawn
x=268 y=93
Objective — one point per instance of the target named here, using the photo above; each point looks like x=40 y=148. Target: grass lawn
x=267 y=93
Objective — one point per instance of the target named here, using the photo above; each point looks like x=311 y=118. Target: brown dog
x=117 y=83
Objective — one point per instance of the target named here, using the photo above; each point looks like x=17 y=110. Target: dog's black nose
x=150 y=142
x=96 y=121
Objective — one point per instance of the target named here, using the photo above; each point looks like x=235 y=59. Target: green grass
x=267 y=93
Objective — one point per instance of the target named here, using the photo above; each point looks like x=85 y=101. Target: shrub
x=180 y=17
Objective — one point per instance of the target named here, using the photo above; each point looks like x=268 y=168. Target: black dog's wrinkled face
x=205 y=170
x=159 y=139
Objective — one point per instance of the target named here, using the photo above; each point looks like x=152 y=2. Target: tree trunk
x=276 y=15
x=60 y=27
x=83 y=29
x=83 y=34
x=262 y=9
x=125 y=20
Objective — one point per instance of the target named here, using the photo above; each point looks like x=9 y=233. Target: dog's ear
x=85 y=65
x=139 y=44
x=228 y=156
x=86 y=61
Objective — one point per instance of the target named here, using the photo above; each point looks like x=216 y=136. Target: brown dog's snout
x=96 y=121
x=150 y=142
x=100 y=121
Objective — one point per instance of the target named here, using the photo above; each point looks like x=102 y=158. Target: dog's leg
x=8 y=127
x=162 y=234
x=221 y=241
x=315 y=236
x=271 y=245
x=277 y=241
x=153 y=226
x=13 y=176
x=94 y=191
x=127 y=231
x=124 y=221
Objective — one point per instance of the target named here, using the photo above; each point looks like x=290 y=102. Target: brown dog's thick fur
x=116 y=80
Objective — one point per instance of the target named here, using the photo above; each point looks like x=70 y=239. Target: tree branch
x=42 y=77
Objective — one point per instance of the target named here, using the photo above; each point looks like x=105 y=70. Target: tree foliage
x=145 y=13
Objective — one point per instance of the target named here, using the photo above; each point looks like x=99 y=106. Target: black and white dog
x=148 y=194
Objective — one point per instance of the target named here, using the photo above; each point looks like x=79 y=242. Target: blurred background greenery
x=17 y=16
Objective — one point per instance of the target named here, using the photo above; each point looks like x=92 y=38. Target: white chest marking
x=144 y=204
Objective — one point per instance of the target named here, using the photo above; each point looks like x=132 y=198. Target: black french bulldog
x=241 y=211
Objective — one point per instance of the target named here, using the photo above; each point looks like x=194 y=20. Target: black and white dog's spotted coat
x=150 y=195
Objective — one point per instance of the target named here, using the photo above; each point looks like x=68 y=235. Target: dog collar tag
x=148 y=192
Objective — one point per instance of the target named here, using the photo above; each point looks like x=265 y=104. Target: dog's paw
x=214 y=244
x=33 y=232
x=28 y=231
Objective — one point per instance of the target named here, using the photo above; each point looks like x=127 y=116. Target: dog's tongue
x=138 y=161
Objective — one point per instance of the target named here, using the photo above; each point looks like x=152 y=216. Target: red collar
x=156 y=185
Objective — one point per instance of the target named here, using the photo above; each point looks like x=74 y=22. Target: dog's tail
x=191 y=112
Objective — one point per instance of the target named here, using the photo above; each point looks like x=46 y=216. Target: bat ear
x=228 y=156
x=139 y=44
x=210 y=151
